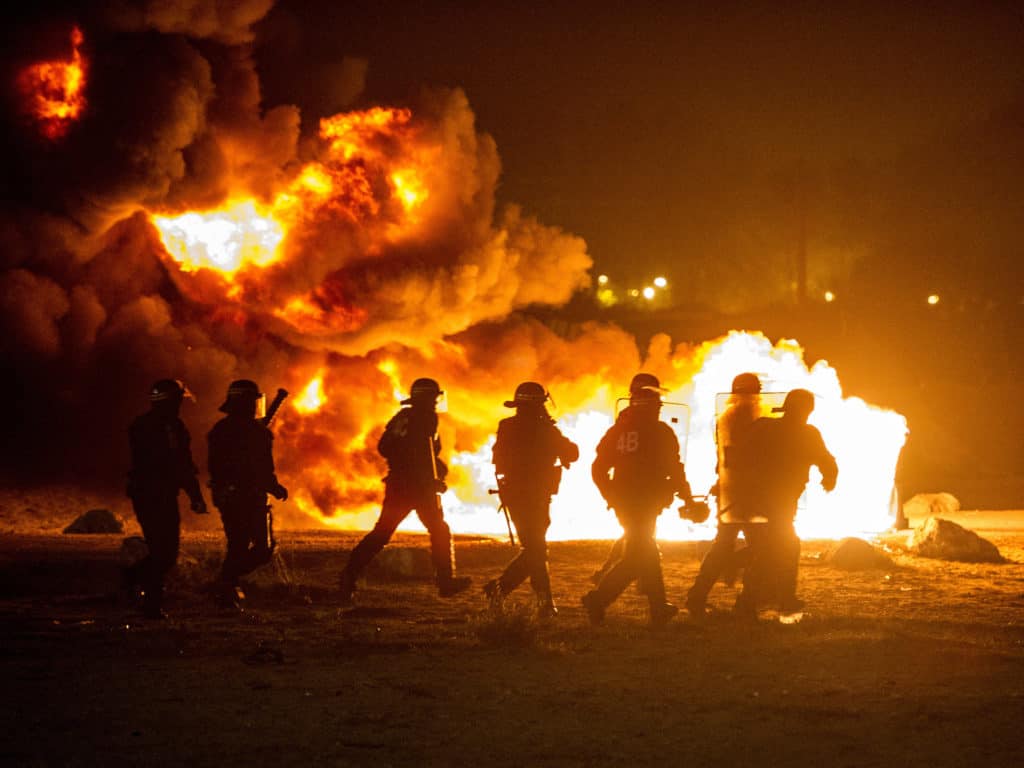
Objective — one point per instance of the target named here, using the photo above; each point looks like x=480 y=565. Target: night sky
x=695 y=141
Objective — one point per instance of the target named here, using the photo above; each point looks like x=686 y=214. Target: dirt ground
x=920 y=663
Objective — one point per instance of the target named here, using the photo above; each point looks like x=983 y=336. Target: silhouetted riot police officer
x=415 y=480
x=161 y=457
x=526 y=450
x=744 y=408
x=241 y=475
x=638 y=471
x=773 y=461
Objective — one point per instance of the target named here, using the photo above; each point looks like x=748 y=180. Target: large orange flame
x=371 y=169
x=865 y=439
x=374 y=177
x=54 y=90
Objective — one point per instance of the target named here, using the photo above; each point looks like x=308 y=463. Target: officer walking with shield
x=735 y=514
x=526 y=450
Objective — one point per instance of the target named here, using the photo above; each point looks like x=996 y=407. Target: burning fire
x=54 y=91
x=371 y=170
x=312 y=397
x=374 y=178
x=224 y=240
x=866 y=441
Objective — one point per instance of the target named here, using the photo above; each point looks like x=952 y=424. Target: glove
x=279 y=492
x=199 y=506
x=695 y=511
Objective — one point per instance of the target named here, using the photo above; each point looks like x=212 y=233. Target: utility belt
x=231 y=494
x=544 y=481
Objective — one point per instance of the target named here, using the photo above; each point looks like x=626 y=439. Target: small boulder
x=96 y=521
x=945 y=540
x=854 y=554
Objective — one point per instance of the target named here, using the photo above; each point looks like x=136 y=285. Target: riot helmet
x=169 y=390
x=746 y=384
x=799 y=404
x=645 y=389
x=244 y=398
x=423 y=391
x=528 y=393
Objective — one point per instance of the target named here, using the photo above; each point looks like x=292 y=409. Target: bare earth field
x=920 y=664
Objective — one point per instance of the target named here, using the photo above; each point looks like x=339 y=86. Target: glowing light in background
x=829 y=296
x=660 y=282
x=933 y=299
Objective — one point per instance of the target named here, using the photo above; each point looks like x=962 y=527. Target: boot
x=449 y=586
x=346 y=588
x=226 y=597
x=546 y=606
x=594 y=606
x=152 y=603
x=662 y=614
x=495 y=594
x=696 y=606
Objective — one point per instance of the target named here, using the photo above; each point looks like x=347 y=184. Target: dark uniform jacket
x=241 y=458
x=773 y=461
x=412 y=447
x=644 y=454
x=525 y=452
x=161 y=457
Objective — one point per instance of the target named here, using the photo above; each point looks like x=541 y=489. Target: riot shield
x=734 y=413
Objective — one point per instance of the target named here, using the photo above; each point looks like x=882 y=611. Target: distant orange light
x=933 y=299
x=829 y=296
x=54 y=91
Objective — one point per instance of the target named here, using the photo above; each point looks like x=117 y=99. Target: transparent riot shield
x=734 y=413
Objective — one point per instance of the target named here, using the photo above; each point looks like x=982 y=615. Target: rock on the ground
x=854 y=554
x=96 y=521
x=945 y=540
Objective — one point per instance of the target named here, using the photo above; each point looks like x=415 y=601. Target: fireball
x=53 y=91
